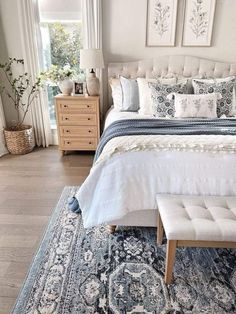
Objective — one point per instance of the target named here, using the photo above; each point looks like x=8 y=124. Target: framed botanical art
x=198 y=22
x=161 y=22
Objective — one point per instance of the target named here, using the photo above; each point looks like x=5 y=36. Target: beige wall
x=124 y=32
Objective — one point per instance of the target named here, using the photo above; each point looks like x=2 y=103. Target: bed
x=121 y=189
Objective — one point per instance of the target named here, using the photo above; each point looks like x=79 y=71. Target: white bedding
x=128 y=182
x=114 y=115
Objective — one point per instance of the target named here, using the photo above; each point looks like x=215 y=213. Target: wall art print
x=161 y=22
x=198 y=22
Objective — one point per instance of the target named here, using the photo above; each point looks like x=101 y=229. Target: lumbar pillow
x=195 y=106
x=162 y=106
x=225 y=88
x=116 y=93
x=130 y=99
x=145 y=100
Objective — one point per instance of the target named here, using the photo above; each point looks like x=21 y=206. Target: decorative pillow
x=145 y=100
x=130 y=100
x=162 y=106
x=226 y=89
x=116 y=93
x=195 y=106
x=222 y=80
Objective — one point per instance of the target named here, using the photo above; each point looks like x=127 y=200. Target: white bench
x=195 y=221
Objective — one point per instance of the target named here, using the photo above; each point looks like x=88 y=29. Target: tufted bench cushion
x=208 y=218
x=195 y=221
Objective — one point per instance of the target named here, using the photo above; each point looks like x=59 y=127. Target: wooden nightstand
x=78 y=122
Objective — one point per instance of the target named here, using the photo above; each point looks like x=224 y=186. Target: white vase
x=66 y=86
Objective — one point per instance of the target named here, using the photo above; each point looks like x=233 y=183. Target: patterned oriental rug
x=91 y=271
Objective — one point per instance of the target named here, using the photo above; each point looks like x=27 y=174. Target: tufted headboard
x=163 y=66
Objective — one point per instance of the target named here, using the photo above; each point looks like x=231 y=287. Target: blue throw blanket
x=166 y=127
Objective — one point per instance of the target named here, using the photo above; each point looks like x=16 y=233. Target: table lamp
x=92 y=59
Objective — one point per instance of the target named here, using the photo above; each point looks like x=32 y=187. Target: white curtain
x=92 y=33
x=3 y=149
x=32 y=55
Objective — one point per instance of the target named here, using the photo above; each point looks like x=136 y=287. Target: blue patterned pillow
x=162 y=106
x=226 y=89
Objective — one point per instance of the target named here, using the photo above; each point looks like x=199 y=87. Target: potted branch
x=21 y=92
x=60 y=77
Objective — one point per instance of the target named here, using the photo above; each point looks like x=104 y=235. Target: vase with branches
x=20 y=90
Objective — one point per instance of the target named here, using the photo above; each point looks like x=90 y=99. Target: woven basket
x=20 y=142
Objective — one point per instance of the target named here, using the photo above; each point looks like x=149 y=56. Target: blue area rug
x=91 y=271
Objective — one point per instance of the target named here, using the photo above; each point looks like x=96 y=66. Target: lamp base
x=93 y=85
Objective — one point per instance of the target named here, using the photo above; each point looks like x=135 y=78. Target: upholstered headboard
x=186 y=66
x=178 y=65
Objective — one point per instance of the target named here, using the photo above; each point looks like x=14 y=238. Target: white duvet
x=128 y=181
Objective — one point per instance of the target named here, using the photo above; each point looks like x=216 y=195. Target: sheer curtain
x=3 y=149
x=32 y=46
x=92 y=33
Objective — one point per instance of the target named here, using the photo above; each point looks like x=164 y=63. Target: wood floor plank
x=17 y=241
x=6 y=304
x=30 y=187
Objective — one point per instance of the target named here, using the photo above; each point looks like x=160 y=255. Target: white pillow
x=117 y=94
x=221 y=80
x=145 y=100
x=195 y=105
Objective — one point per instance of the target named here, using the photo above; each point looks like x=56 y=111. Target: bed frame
x=164 y=66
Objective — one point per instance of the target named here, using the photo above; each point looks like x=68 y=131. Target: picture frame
x=78 y=88
x=198 y=23
x=161 y=23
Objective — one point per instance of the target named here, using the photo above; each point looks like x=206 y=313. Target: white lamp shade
x=91 y=59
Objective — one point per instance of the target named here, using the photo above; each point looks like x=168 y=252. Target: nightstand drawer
x=77 y=106
x=77 y=119
x=82 y=143
x=82 y=131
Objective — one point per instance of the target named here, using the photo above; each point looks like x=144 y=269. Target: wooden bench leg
x=160 y=230
x=111 y=228
x=170 y=260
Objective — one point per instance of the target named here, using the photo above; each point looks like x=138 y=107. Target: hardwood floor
x=30 y=186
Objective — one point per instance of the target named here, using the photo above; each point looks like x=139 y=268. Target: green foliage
x=65 y=45
x=56 y=74
x=19 y=89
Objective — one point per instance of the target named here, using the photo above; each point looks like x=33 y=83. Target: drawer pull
x=66 y=118
x=68 y=142
x=68 y=131
x=89 y=131
x=89 y=119
x=65 y=106
x=88 y=106
x=90 y=143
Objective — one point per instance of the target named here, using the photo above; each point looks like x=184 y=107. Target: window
x=61 y=31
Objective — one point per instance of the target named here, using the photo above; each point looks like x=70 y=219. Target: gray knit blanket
x=166 y=127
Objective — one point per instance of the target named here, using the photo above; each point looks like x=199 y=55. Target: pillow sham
x=195 y=106
x=225 y=88
x=222 y=80
x=116 y=93
x=130 y=94
x=162 y=106
x=145 y=100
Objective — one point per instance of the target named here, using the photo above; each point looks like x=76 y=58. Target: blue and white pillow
x=162 y=106
x=225 y=88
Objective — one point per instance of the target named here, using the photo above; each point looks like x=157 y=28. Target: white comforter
x=129 y=181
